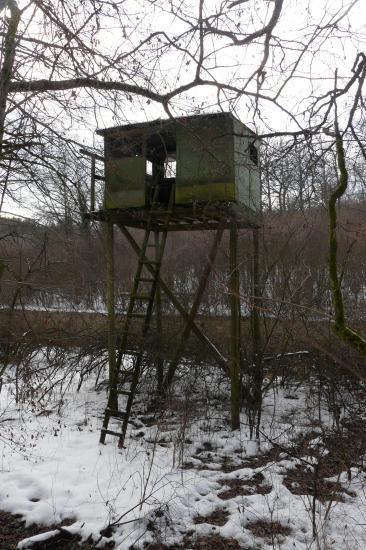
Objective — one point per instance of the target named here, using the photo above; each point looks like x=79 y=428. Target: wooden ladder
x=143 y=293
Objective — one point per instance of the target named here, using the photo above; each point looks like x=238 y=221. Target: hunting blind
x=188 y=173
x=210 y=160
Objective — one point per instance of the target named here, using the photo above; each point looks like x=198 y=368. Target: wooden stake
x=256 y=293
x=92 y=185
x=256 y=333
x=234 y=293
x=112 y=401
x=159 y=325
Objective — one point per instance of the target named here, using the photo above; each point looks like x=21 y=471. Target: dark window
x=253 y=154
x=125 y=147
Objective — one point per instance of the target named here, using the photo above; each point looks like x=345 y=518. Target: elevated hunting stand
x=185 y=174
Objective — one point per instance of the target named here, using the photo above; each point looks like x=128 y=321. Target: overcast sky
x=313 y=76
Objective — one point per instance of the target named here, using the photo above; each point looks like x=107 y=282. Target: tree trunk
x=346 y=334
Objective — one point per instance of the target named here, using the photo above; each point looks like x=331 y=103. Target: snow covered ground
x=183 y=475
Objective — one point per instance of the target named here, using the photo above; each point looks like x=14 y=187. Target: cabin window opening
x=160 y=166
x=149 y=168
x=170 y=170
x=253 y=154
x=125 y=148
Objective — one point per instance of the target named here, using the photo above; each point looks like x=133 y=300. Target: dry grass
x=213 y=542
x=345 y=449
x=268 y=529
x=218 y=517
x=244 y=487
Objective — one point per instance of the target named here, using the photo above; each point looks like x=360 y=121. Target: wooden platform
x=184 y=218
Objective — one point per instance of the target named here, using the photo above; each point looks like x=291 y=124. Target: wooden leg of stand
x=234 y=292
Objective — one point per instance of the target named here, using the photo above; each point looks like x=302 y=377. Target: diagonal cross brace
x=176 y=303
x=194 y=308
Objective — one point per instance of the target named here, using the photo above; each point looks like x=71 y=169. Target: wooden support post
x=113 y=378
x=92 y=185
x=234 y=293
x=256 y=295
x=159 y=324
x=256 y=335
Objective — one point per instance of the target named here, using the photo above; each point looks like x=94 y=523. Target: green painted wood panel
x=205 y=161
x=125 y=182
x=247 y=175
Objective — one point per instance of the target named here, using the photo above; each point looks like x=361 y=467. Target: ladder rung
x=141 y=296
x=150 y=245
x=116 y=414
x=160 y=211
x=124 y=392
x=140 y=315
x=147 y=261
x=129 y=334
x=110 y=432
x=146 y=280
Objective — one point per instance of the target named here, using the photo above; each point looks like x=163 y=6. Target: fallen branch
x=48 y=539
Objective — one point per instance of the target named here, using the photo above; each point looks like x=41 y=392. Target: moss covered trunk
x=349 y=336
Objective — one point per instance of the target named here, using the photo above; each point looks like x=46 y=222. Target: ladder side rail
x=140 y=265
x=158 y=262
x=143 y=261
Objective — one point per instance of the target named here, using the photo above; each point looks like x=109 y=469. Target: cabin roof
x=160 y=123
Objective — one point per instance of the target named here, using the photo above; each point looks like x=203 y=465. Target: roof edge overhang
x=164 y=123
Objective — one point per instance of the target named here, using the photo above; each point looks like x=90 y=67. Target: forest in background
x=61 y=268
